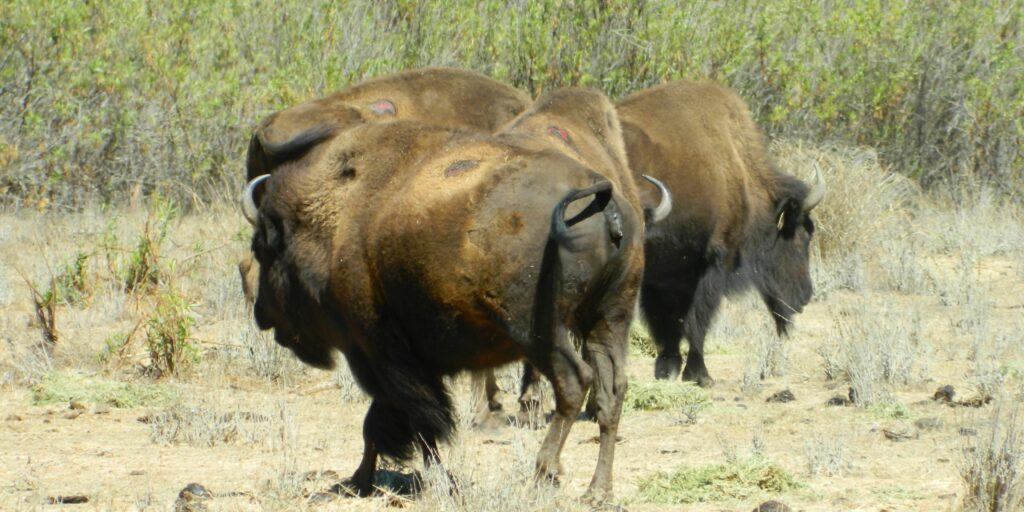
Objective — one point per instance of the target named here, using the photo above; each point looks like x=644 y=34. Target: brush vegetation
x=113 y=100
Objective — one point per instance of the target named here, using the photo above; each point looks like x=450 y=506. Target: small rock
x=194 y=490
x=772 y=506
x=838 y=401
x=13 y=417
x=77 y=405
x=900 y=431
x=965 y=431
x=101 y=409
x=781 y=397
x=930 y=423
x=319 y=498
x=73 y=414
x=944 y=394
x=67 y=500
x=191 y=499
x=137 y=472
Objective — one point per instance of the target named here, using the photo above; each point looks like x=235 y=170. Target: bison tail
x=602 y=192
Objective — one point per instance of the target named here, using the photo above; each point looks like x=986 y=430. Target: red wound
x=560 y=133
x=383 y=108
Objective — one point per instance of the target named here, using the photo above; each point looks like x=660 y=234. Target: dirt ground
x=309 y=421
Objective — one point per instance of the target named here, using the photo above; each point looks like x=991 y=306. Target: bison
x=739 y=221
x=419 y=251
x=443 y=96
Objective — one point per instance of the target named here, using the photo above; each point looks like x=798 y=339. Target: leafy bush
x=142 y=267
x=110 y=100
x=169 y=335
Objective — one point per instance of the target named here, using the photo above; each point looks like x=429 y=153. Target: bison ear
x=787 y=215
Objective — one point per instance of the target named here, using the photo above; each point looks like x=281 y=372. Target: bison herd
x=436 y=221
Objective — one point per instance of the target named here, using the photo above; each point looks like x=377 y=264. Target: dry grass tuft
x=876 y=347
x=207 y=424
x=991 y=468
x=826 y=455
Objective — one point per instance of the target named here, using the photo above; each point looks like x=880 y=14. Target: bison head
x=782 y=270
x=292 y=274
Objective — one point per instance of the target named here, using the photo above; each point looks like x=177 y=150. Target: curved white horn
x=249 y=209
x=665 y=206
x=817 y=192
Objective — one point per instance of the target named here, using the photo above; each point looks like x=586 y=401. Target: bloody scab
x=560 y=133
x=383 y=107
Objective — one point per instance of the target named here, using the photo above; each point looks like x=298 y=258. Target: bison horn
x=249 y=209
x=665 y=206
x=817 y=192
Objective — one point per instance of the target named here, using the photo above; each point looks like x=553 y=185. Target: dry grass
x=991 y=465
x=934 y=302
x=874 y=348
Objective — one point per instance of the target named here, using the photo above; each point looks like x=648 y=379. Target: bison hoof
x=600 y=499
x=702 y=380
x=489 y=422
x=549 y=477
x=666 y=367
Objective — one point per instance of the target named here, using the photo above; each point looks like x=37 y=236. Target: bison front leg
x=664 y=309
x=606 y=352
x=570 y=377
x=485 y=389
x=698 y=321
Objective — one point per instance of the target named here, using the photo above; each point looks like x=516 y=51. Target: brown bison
x=739 y=221
x=419 y=251
x=445 y=97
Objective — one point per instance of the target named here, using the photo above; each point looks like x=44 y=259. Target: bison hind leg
x=605 y=350
x=570 y=378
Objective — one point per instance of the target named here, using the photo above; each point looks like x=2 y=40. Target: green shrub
x=685 y=400
x=73 y=284
x=107 y=99
x=63 y=387
x=169 y=335
x=142 y=266
x=736 y=480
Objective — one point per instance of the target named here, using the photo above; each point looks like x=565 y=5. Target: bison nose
x=262 y=318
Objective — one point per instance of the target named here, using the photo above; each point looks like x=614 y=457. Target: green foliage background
x=102 y=98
